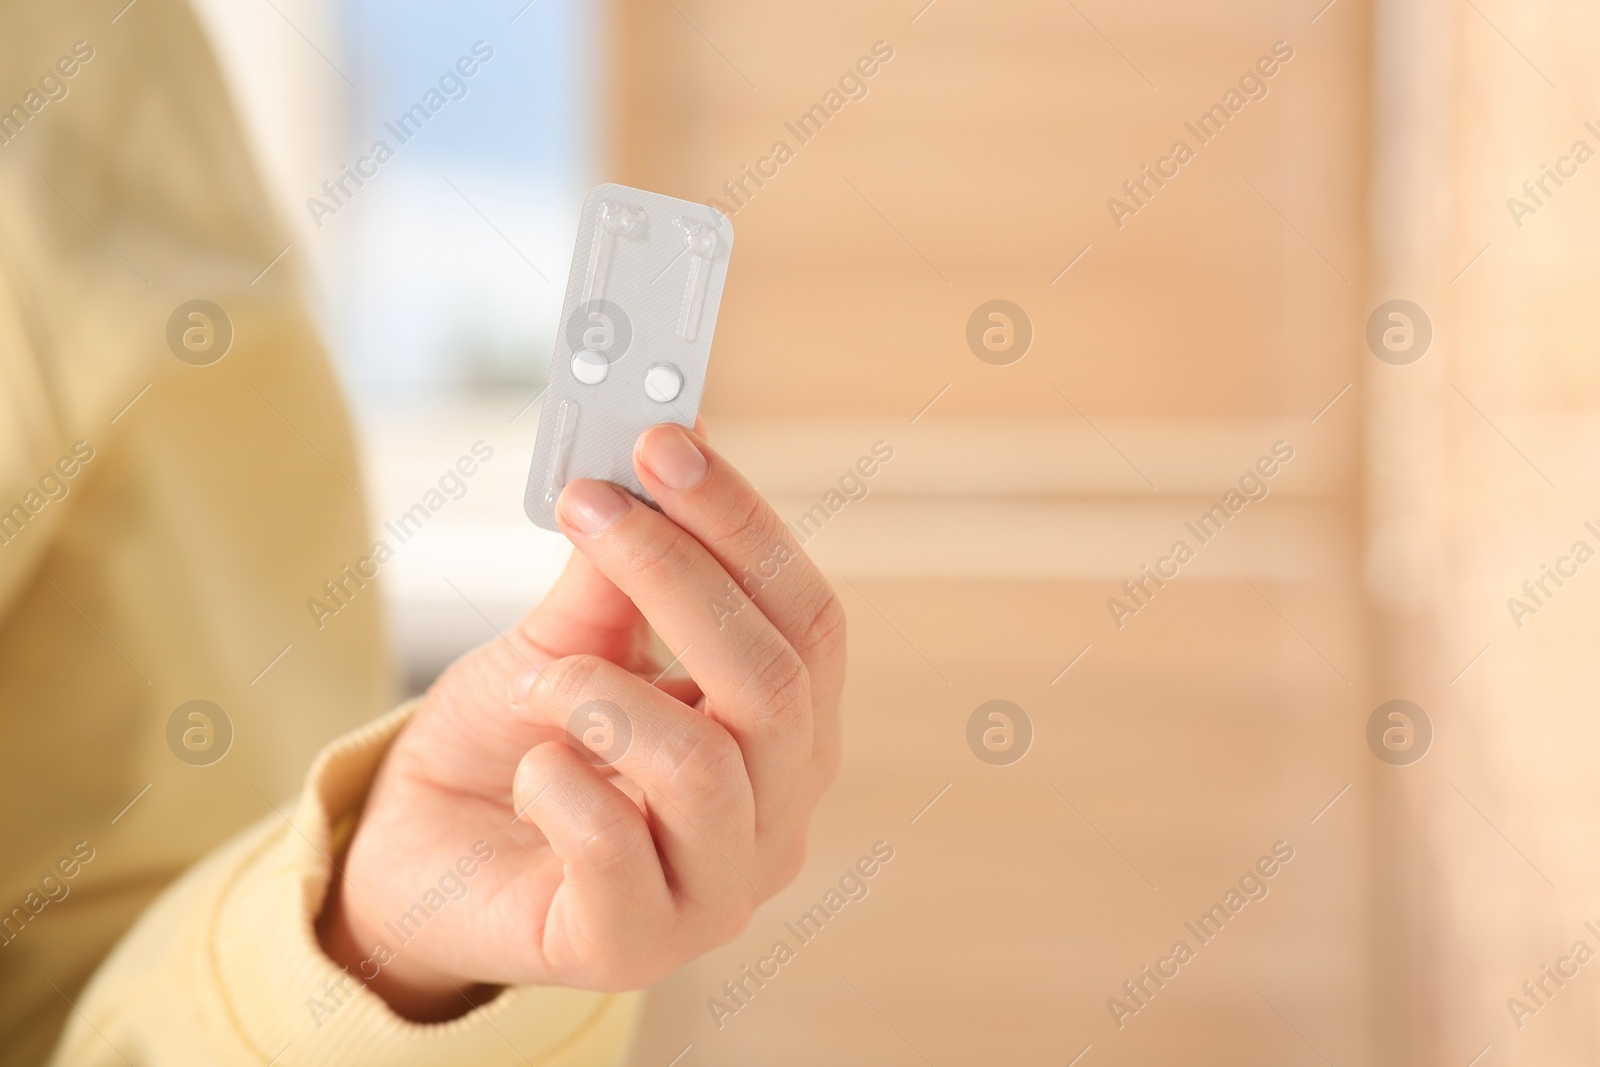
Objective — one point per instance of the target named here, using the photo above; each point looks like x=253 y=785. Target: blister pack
x=635 y=337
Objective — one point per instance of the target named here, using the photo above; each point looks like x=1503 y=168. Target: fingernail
x=590 y=506
x=520 y=686
x=672 y=457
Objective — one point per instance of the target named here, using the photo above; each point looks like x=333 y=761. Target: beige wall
x=991 y=142
x=1222 y=317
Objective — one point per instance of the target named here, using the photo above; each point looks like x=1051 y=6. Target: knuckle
x=707 y=763
x=825 y=631
x=780 y=684
x=664 y=557
x=612 y=844
x=746 y=521
x=565 y=679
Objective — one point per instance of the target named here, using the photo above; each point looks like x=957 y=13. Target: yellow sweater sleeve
x=164 y=526
x=225 y=968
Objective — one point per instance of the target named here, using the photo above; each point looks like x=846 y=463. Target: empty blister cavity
x=702 y=241
x=610 y=221
x=561 y=451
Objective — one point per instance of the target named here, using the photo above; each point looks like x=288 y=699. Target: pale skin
x=608 y=875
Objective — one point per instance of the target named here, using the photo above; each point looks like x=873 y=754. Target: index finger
x=756 y=684
x=702 y=492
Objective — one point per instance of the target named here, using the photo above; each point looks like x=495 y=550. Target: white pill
x=662 y=383
x=589 y=367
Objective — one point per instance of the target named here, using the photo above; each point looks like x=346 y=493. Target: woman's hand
x=635 y=822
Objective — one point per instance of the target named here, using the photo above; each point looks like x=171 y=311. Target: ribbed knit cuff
x=269 y=967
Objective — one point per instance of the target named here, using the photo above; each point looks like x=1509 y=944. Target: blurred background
x=1177 y=329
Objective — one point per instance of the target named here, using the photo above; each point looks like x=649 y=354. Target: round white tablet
x=589 y=367
x=663 y=383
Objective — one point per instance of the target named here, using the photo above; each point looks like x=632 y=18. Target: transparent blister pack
x=635 y=337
